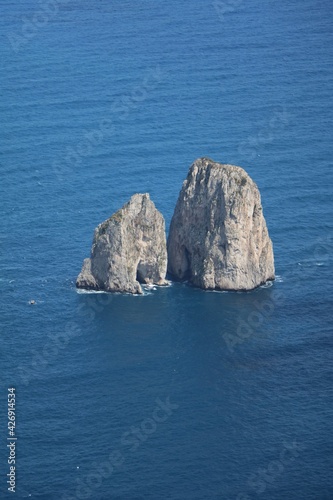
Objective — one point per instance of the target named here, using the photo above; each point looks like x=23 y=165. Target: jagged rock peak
x=218 y=237
x=129 y=248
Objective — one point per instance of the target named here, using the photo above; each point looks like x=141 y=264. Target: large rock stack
x=218 y=236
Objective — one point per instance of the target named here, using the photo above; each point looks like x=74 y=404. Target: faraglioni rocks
x=129 y=248
x=218 y=237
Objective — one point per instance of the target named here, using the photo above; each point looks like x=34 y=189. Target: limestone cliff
x=129 y=248
x=218 y=236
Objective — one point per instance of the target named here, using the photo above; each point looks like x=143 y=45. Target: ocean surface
x=178 y=394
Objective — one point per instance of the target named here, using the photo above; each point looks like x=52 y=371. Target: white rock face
x=218 y=236
x=129 y=248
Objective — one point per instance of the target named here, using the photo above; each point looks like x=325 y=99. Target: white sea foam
x=268 y=284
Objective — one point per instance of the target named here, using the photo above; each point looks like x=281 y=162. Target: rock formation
x=218 y=236
x=129 y=248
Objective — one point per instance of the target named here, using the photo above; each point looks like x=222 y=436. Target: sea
x=178 y=394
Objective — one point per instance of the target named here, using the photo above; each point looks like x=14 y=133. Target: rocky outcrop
x=218 y=237
x=129 y=248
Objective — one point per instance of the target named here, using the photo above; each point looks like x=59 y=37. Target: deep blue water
x=100 y=100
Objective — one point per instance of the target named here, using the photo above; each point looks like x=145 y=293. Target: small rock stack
x=129 y=248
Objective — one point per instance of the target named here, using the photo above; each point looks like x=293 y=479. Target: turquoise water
x=99 y=101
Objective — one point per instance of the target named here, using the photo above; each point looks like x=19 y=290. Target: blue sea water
x=179 y=394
